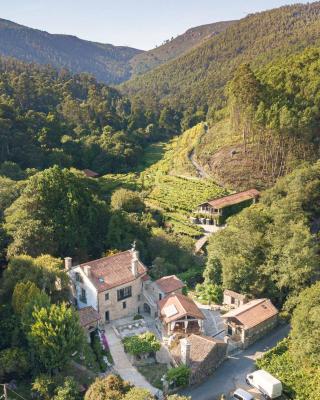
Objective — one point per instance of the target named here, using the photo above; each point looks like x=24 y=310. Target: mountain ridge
x=108 y=63
x=196 y=80
x=174 y=48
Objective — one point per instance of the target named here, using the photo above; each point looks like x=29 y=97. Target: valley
x=159 y=210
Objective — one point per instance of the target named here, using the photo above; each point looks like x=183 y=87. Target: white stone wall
x=87 y=285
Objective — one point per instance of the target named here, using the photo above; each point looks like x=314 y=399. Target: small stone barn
x=202 y=354
x=234 y=299
x=180 y=314
x=89 y=320
x=251 y=321
x=218 y=210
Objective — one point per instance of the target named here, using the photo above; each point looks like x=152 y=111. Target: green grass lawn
x=153 y=373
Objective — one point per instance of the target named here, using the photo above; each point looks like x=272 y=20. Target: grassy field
x=169 y=182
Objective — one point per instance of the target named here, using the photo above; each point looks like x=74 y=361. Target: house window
x=83 y=296
x=106 y=296
x=160 y=296
x=139 y=297
x=124 y=305
x=78 y=277
x=107 y=316
x=124 y=293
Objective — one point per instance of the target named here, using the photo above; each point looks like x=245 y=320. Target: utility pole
x=5 y=395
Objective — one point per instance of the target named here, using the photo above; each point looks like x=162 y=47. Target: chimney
x=135 y=260
x=135 y=263
x=185 y=348
x=87 y=270
x=67 y=263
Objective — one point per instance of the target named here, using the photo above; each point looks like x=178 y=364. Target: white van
x=241 y=394
x=267 y=384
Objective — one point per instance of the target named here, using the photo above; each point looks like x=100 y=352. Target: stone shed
x=202 y=354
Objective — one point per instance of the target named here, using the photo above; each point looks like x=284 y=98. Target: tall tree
x=57 y=213
x=55 y=335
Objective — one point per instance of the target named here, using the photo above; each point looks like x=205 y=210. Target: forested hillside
x=271 y=124
x=108 y=63
x=272 y=250
x=196 y=80
x=175 y=47
x=49 y=117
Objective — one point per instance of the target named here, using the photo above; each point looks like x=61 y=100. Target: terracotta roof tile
x=88 y=315
x=200 y=348
x=168 y=284
x=233 y=199
x=89 y=173
x=253 y=313
x=112 y=271
x=177 y=306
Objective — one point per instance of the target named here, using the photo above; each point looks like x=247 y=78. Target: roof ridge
x=231 y=194
x=257 y=302
x=111 y=256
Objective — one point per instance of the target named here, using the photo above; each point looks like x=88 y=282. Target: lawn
x=153 y=373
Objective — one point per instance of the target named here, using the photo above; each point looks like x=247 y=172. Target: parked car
x=241 y=394
x=267 y=384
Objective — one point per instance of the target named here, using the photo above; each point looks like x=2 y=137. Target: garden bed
x=153 y=373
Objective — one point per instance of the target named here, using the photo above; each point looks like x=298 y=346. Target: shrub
x=127 y=200
x=13 y=363
x=209 y=293
x=137 y=317
x=179 y=376
x=99 y=352
x=142 y=344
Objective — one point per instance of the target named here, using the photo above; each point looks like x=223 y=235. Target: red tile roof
x=169 y=284
x=88 y=316
x=112 y=271
x=177 y=306
x=253 y=313
x=233 y=199
x=89 y=173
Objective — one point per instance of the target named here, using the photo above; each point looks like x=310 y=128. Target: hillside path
x=200 y=170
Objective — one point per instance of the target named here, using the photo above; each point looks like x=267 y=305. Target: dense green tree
x=127 y=200
x=68 y=391
x=138 y=394
x=111 y=387
x=55 y=335
x=44 y=271
x=305 y=333
x=23 y=293
x=269 y=249
x=14 y=363
x=58 y=214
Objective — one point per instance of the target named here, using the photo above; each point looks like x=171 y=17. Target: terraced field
x=169 y=182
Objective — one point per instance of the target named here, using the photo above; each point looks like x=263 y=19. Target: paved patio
x=213 y=324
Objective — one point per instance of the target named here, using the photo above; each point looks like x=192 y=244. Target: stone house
x=89 y=320
x=154 y=291
x=113 y=285
x=251 y=321
x=180 y=314
x=202 y=354
x=234 y=299
x=217 y=210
